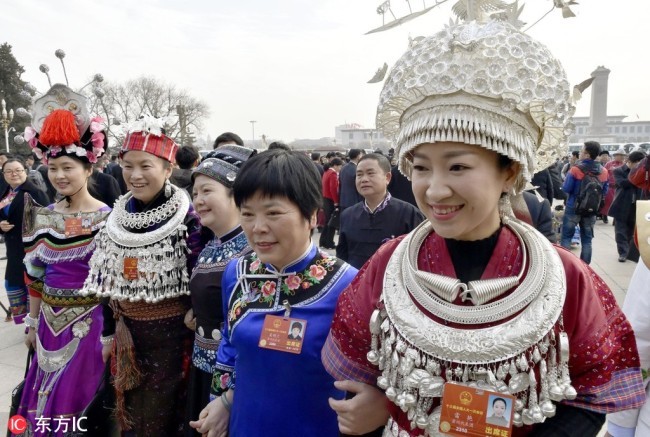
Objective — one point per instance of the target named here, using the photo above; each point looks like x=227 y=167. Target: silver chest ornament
x=417 y=356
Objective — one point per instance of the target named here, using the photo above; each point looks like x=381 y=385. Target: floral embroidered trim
x=264 y=291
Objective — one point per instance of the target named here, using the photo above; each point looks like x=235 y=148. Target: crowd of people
x=189 y=294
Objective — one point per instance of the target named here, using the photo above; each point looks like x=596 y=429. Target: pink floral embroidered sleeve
x=223 y=377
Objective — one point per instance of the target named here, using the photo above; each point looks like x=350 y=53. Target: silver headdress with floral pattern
x=482 y=83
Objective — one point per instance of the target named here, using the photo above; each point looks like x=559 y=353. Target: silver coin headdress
x=482 y=83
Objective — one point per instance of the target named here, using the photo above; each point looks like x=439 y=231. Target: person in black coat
x=116 y=172
x=104 y=187
x=544 y=183
x=51 y=191
x=623 y=209
x=555 y=171
x=400 y=187
x=348 y=194
x=367 y=225
x=12 y=205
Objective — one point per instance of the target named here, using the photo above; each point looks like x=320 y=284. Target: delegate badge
x=283 y=334
x=477 y=412
x=77 y=226
x=130 y=268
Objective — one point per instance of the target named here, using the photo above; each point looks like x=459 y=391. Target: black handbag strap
x=30 y=356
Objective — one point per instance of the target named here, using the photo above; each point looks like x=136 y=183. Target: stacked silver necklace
x=526 y=356
x=160 y=253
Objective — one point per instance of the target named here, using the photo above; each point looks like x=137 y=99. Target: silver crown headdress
x=481 y=82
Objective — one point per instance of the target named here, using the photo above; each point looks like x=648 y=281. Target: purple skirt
x=72 y=385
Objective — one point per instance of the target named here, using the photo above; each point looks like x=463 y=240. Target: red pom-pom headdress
x=62 y=126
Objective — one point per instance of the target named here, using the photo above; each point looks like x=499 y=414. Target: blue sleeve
x=223 y=377
x=569 y=183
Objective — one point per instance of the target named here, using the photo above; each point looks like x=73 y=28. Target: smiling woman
x=59 y=240
x=12 y=206
x=142 y=263
x=473 y=295
x=286 y=281
x=213 y=198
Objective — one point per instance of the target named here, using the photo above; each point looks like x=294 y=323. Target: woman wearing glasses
x=12 y=204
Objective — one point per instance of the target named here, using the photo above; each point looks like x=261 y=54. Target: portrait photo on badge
x=498 y=411
x=295 y=331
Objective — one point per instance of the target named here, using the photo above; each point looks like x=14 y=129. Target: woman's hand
x=190 y=320
x=362 y=414
x=213 y=419
x=30 y=340
x=6 y=226
x=107 y=350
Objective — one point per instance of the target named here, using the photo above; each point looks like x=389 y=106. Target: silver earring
x=168 y=188
x=505 y=207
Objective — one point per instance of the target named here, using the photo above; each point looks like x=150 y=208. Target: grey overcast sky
x=297 y=67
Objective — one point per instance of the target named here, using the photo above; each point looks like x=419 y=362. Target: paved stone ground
x=13 y=351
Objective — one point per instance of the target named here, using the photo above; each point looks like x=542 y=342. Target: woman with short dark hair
x=286 y=280
x=12 y=205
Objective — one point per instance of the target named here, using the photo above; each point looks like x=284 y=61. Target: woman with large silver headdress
x=64 y=327
x=474 y=296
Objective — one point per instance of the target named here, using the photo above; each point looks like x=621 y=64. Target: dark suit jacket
x=400 y=187
x=348 y=194
x=116 y=172
x=625 y=196
x=362 y=233
x=14 y=238
x=104 y=188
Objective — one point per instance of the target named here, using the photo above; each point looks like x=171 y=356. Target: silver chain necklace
x=142 y=220
x=436 y=292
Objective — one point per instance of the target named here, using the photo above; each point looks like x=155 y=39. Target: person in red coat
x=330 y=202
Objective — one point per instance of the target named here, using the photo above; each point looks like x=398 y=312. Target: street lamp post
x=6 y=121
x=253 y=128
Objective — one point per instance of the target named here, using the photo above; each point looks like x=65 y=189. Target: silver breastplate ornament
x=524 y=353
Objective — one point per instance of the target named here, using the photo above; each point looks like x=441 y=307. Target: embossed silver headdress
x=482 y=83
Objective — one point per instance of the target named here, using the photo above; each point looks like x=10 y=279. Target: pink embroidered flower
x=55 y=150
x=317 y=272
x=30 y=136
x=38 y=152
x=92 y=158
x=97 y=125
x=292 y=282
x=268 y=289
x=224 y=380
x=97 y=140
x=305 y=285
x=255 y=265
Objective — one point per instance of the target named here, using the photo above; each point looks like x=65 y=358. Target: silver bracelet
x=30 y=321
x=106 y=340
x=226 y=403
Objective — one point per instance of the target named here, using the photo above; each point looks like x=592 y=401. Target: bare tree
x=126 y=102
